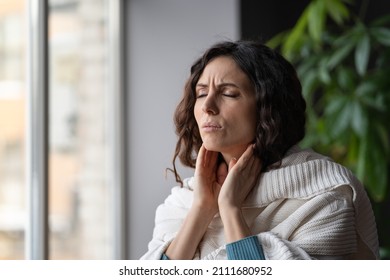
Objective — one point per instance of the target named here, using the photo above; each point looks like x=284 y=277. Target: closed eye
x=201 y=91
x=201 y=95
x=230 y=92
x=231 y=95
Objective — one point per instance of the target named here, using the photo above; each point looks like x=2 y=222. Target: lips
x=211 y=126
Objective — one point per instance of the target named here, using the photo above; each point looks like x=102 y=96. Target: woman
x=255 y=194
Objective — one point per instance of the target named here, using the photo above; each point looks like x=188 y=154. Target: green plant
x=344 y=67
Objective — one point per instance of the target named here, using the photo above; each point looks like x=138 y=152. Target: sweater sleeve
x=248 y=248
x=168 y=219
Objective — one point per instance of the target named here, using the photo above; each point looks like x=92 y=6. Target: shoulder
x=296 y=155
x=304 y=174
x=181 y=196
x=176 y=205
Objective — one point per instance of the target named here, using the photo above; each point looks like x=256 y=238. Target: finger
x=252 y=174
x=246 y=157
x=257 y=164
x=232 y=163
x=210 y=158
x=200 y=157
x=252 y=167
x=222 y=173
x=203 y=160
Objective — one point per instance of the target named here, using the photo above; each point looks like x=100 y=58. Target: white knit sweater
x=310 y=207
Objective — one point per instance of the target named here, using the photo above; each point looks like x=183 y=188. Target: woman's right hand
x=208 y=180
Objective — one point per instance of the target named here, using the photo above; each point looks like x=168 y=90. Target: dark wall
x=261 y=20
x=371 y=9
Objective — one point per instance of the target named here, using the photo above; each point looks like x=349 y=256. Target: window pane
x=12 y=129
x=78 y=202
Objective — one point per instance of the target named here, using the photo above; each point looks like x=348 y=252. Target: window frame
x=37 y=243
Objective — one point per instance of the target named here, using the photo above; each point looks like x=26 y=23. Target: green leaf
x=353 y=150
x=339 y=55
x=362 y=55
x=361 y=164
x=382 y=35
x=342 y=120
x=373 y=164
x=293 y=39
x=335 y=105
x=277 y=40
x=323 y=72
x=376 y=174
x=366 y=88
x=381 y=21
x=377 y=102
x=346 y=78
x=359 y=119
x=370 y=96
x=307 y=65
x=324 y=76
x=383 y=137
x=316 y=19
x=345 y=39
x=309 y=82
x=337 y=11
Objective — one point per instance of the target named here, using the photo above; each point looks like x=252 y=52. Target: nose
x=210 y=105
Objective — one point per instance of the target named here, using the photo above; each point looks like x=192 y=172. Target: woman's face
x=225 y=108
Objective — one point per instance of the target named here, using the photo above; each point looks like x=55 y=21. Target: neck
x=228 y=156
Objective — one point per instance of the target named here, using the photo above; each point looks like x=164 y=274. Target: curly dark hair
x=280 y=104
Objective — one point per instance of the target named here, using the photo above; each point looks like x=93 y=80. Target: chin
x=212 y=147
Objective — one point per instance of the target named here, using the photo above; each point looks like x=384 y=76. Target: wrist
x=229 y=212
x=235 y=226
x=204 y=211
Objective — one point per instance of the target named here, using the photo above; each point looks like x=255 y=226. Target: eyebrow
x=201 y=85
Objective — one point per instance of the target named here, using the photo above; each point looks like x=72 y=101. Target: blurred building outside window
x=78 y=183
x=12 y=128
x=79 y=216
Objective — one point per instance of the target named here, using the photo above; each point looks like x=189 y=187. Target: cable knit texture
x=309 y=207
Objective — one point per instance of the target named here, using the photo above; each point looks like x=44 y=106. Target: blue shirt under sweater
x=248 y=248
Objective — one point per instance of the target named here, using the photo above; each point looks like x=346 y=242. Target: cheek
x=197 y=112
x=249 y=131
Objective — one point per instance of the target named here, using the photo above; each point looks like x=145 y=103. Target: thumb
x=232 y=163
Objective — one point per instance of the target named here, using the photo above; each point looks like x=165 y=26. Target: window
x=78 y=183
x=84 y=194
x=12 y=129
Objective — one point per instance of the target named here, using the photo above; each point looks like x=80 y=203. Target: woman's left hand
x=243 y=175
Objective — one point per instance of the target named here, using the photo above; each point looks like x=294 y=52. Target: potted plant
x=344 y=67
